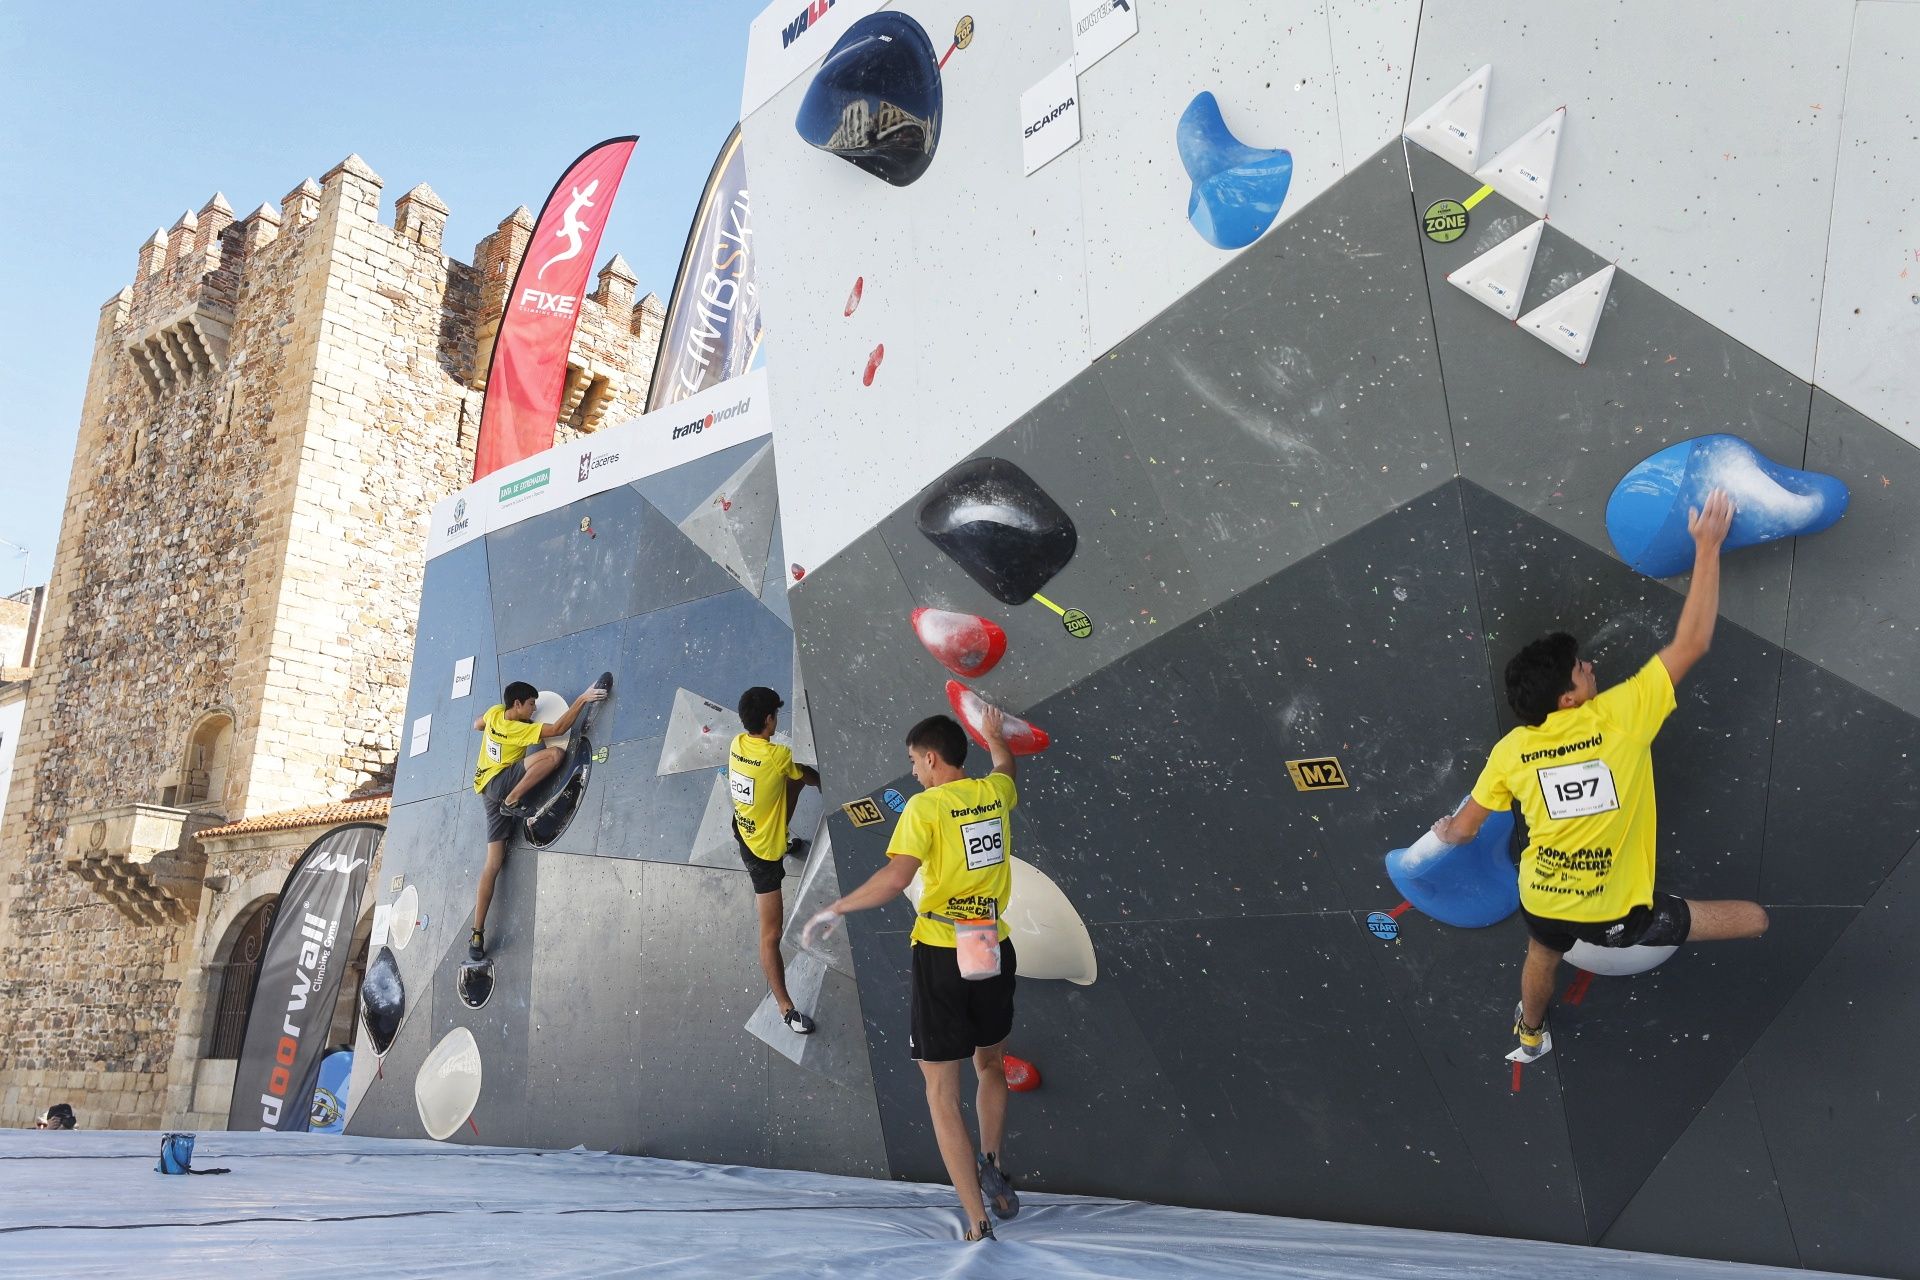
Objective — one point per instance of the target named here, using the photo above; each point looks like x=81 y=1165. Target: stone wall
x=273 y=406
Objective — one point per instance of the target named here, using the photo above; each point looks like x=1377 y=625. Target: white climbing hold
x=1523 y=173
x=1451 y=127
x=1567 y=320
x=1498 y=277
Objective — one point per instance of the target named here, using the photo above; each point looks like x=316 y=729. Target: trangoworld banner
x=301 y=968
x=529 y=370
x=713 y=324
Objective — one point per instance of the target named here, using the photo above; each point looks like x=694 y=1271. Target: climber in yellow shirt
x=764 y=783
x=1580 y=766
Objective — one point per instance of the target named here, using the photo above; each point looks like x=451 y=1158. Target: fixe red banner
x=529 y=370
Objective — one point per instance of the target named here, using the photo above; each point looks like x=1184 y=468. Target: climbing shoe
x=797 y=1022
x=518 y=809
x=1534 y=1042
x=477 y=947
x=998 y=1188
x=982 y=1230
x=798 y=849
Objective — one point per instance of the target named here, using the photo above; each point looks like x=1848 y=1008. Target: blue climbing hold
x=895 y=801
x=1647 y=514
x=1237 y=189
x=1469 y=886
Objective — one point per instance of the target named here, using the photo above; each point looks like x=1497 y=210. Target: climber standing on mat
x=1581 y=765
x=765 y=786
x=956 y=836
x=503 y=775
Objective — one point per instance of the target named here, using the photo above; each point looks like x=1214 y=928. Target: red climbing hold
x=873 y=364
x=1023 y=739
x=965 y=643
x=853 y=298
x=1022 y=1076
x=797 y=572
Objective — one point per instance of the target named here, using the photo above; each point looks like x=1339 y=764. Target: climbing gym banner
x=301 y=968
x=529 y=369
x=713 y=323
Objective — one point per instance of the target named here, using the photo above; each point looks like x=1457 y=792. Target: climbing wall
x=1314 y=487
x=627 y=1006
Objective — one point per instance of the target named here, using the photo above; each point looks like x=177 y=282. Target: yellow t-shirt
x=1584 y=780
x=962 y=834
x=502 y=742
x=757 y=775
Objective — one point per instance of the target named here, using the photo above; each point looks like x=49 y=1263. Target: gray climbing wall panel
x=1318 y=502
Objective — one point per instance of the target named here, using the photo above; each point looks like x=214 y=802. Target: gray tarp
x=300 y=1205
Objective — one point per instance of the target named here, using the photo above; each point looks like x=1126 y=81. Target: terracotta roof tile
x=371 y=808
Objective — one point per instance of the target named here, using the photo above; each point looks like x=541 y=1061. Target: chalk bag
x=978 y=945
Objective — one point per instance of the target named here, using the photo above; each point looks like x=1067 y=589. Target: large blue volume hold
x=1647 y=514
x=1470 y=885
x=1237 y=189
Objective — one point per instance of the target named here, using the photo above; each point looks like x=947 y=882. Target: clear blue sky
x=118 y=116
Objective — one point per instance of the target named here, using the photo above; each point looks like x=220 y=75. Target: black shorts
x=1664 y=924
x=500 y=827
x=766 y=875
x=952 y=1016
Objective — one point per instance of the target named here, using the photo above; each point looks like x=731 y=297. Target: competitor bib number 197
x=493 y=749
x=984 y=842
x=1578 y=790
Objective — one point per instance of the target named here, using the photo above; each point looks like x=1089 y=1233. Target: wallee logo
x=698 y=425
x=460 y=521
x=525 y=484
x=591 y=462
x=1049 y=118
x=809 y=16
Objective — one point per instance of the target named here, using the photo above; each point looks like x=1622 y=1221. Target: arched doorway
x=238 y=971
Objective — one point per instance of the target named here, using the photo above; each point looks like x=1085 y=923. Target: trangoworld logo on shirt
x=1564 y=749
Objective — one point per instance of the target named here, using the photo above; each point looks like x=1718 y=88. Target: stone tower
x=273 y=406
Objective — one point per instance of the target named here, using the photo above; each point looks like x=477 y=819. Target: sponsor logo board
x=1050 y=117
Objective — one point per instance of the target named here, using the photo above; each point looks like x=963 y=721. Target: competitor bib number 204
x=741 y=785
x=985 y=843
x=1578 y=790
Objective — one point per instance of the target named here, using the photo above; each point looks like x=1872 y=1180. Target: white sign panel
x=1050 y=116
x=1100 y=27
x=463 y=677
x=382 y=923
x=422 y=731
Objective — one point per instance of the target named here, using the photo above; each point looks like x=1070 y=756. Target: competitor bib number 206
x=1578 y=790
x=741 y=785
x=985 y=843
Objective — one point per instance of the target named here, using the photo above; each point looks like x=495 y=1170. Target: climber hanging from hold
x=764 y=783
x=1580 y=765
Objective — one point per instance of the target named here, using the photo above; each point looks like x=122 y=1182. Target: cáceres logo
x=591 y=462
x=699 y=425
x=809 y=17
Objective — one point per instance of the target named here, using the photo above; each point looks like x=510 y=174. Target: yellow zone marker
x=1050 y=604
x=1477 y=197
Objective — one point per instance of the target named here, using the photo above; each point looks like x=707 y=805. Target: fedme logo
x=552 y=304
x=808 y=17
x=699 y=425
x=1049 y=118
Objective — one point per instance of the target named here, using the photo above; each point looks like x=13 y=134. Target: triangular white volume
x=1567 y=320
x=1450 y=128
x=1498 y=277
x=1523 y=173
x=699 y=731
x=735 y=524
x=713 y=842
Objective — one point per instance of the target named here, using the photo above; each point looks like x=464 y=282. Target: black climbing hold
x=875 y=102
x=475 y=983
x=1000 y=526
x=383 y=1001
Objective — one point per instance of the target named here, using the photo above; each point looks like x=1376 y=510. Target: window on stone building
x=239 y=969
x=203 y=771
